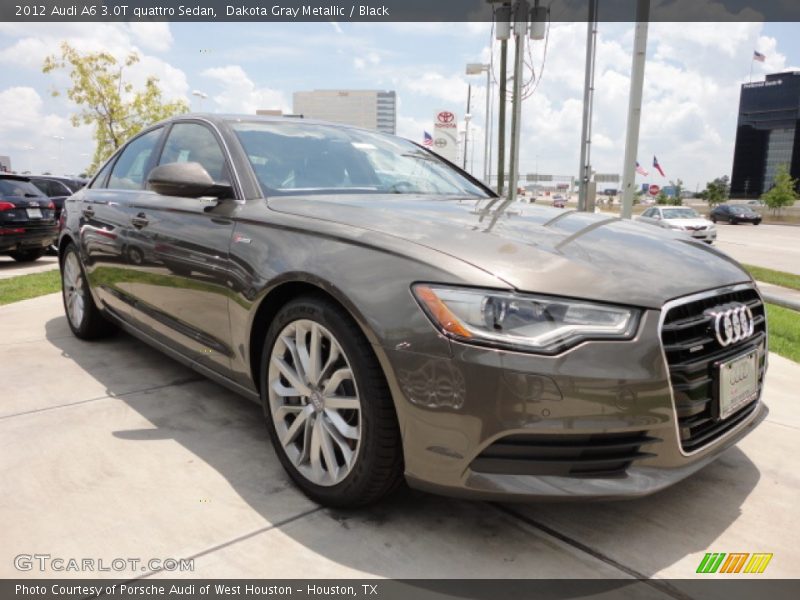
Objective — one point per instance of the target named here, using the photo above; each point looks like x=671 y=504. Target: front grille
x=568 y=455
x=691 y=349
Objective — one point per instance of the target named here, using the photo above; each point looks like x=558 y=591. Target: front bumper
x=483 y=402
x=705 y=235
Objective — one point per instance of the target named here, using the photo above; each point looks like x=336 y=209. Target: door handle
x=140 y=220
x=88 y=212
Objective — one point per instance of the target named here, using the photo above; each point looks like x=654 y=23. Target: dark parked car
x=27 y=219
x=734 y=214
x=55 y=188
x=396 y=319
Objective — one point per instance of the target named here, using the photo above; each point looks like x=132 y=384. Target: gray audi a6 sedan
x=397 y=320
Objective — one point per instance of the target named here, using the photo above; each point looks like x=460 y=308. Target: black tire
x=734 y=222
x=28 y=255
x=93 y=325
x=756 y=222
x=713 y=219
x=378 y=467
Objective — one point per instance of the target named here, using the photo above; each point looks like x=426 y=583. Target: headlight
x=540 y=324
x=675 y=226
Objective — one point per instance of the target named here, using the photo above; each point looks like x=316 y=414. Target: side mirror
x=189 y=179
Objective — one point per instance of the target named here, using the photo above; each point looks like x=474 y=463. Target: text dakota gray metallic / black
x=396 y=319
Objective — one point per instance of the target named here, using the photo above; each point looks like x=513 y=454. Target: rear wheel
x=28 y=255
x=83 y=316
x=327 y=406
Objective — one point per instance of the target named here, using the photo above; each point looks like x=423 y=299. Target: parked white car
x=681 y=218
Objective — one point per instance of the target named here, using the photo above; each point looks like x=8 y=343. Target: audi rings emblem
x=732 y=323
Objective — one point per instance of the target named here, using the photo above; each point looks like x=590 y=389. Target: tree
x=716 y=191
x=112 y=106
x=783 y=192
x=677 y=185
x=662 y=198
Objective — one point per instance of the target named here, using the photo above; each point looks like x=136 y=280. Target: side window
x=192 y=142
x=129 y=171
x=648 y=213
x=102 y=177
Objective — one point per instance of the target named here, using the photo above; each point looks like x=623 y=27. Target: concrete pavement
x=113 y=450
x=11 y=268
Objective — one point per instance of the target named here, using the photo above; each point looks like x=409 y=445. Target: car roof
x=14 y=176
x=227 y=118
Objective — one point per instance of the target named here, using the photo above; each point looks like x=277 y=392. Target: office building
x=371 y=109
x=767 y=135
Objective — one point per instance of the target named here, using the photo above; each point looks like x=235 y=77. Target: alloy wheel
x=73 y=289
x=314 y=402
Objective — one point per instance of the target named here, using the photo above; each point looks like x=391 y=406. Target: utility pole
x=501 y=118
x=635 y=106
x=588 y=101
x=520 y=27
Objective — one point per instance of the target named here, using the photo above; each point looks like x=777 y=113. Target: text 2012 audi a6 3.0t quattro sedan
x=398 y=320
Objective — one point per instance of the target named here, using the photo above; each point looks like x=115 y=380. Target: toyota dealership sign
x=445 y=134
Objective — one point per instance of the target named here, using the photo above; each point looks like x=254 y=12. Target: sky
x=692 y=82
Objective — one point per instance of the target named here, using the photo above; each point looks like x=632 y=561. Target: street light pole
x=476 y=69
x=60 y=139
x=202 y=96
x=467 y=118
x=635 y=106
x=588 y=101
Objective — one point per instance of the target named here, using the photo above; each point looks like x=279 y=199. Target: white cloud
x=152 y=35
x=29 y=137
x=240 y=94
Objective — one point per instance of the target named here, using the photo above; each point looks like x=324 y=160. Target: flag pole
x=752 y=60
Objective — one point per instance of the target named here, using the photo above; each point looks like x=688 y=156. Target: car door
x=178 y=247
x=103 y=219
x=647 y=217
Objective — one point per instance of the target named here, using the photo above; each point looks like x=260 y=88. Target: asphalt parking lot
x=771 y=246
x=112 y=450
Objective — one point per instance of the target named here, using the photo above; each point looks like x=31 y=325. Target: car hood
x=536 y=248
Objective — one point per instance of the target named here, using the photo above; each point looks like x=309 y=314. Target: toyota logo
x=732 y=323
x=440 y=142
x=445 y=117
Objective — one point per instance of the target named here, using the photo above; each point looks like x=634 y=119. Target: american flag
x=640 y=170
x=657 y=166
x=758 y=56
x=427 y=139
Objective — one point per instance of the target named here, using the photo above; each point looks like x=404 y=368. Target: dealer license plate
x=34 y=213
x=738 y=383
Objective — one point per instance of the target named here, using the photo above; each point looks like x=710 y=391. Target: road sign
x=653 y=190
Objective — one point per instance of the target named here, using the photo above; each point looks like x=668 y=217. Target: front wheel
x=328 y=409
x=83 y=316
x=28 y=255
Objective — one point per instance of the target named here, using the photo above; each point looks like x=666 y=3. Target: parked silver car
x=396 y=319
x=681 y=218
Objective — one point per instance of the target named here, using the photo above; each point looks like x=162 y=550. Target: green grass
x=788 y=280
x=784 y=332
x=23 y=287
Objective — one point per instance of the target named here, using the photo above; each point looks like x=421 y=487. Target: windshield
x=18 y=187
x=303 y=158
x=680 y=213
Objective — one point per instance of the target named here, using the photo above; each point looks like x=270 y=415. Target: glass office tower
x=767 y=135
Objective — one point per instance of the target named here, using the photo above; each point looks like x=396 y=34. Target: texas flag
x=657 y=166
